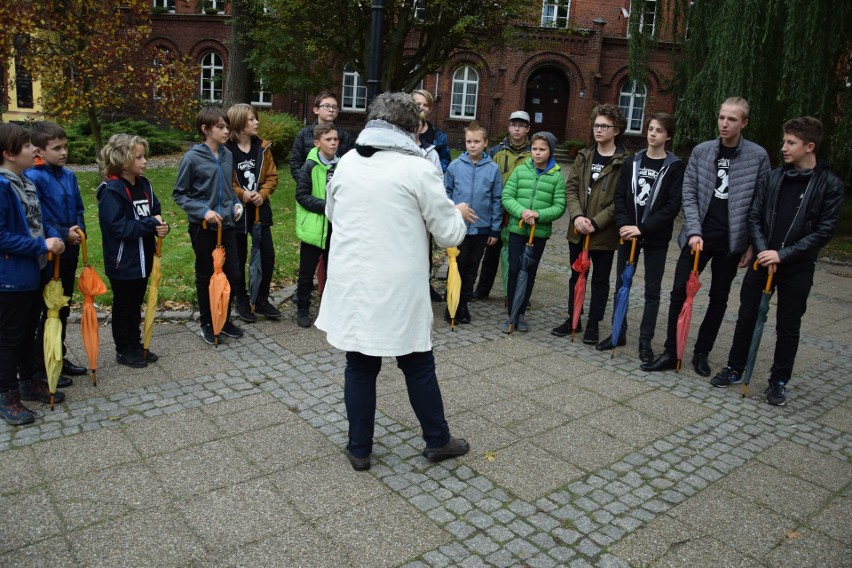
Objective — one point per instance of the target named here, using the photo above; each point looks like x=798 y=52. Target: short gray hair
x=396 y=108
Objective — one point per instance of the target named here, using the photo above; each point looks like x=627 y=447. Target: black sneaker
x=358 y=464
x=727 y=376
x=565 y=328
x=207 y=334
x=591 y=335
x=38 y=390
x=231 y=330
x=12 y=411
x=454 y=448
x=303 y=317
x=478 y=295
x=606 y=344
x=464 y=314
x=267 y=310
x=132 y=359
x=243 y=310
x=776 y=394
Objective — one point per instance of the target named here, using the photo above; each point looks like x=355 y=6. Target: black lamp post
x=374 y=71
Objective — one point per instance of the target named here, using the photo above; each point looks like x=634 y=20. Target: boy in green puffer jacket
x=534 y=195
x=312 y=226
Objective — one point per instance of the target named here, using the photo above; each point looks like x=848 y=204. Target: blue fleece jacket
x=479 y=185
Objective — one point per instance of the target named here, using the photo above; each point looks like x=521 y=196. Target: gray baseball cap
x=520 y=115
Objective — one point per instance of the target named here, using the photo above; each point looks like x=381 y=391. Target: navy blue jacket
x=19 y=251
x=61 y=204
x=125 y=235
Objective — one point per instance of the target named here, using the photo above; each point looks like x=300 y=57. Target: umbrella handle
x=56 y=267
x=697 y=253
x=256 y=214
x=159 y=251
x=83 y=246
x=586 y=244
x=632 y=251
x=219 y=235
x=532 y=231
x=768 y=278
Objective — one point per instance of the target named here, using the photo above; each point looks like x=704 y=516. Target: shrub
x=280 y=129
x=81 y=147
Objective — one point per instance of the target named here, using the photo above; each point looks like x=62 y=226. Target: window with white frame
x=259 y=96
x=554 y=13
x=647 y=15
x=419 y=10
x=218 y=5
x=168 y=5
x=465 y=91
x=631 y=101
x=211 y=77
x=354 y=91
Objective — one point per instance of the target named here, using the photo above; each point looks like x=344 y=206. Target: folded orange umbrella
x=220 y=289
x=90 y=285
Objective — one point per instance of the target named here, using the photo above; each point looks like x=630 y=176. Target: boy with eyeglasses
x=590 y=194
x=326 y=109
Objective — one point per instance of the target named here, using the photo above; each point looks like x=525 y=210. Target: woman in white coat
x=383 y=200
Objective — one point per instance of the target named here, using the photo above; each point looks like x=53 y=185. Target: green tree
x=787 y=57
x=299 y=42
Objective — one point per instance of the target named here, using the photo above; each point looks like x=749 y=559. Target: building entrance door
x=547 y=101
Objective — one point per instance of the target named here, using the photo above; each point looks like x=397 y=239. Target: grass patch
x=177 y=289
x=840 y=247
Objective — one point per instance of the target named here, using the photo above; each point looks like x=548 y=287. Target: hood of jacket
x=382 y=135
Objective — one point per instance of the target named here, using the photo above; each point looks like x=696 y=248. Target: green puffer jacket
x=545 y=194
x=599 y=206
x=311 y=222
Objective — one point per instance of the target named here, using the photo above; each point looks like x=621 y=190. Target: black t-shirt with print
x=715 y=225
x=649 y=171
x=246 y=164
x=598 y=164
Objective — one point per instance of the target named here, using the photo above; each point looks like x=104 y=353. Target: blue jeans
x=424 y=394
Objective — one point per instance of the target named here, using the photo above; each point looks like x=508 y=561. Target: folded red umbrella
x=580 y=265
x=684 y=319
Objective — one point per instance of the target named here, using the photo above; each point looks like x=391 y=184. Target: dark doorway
x=547 y=101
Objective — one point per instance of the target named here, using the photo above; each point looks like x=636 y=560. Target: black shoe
x=358 y=464
x=207 y=334
x=64 y=382
x=243 y=310
x=152 y=357
x=39 y=391
x=591 y=335
x=12 y=411
x=131 y=359
x=646 y=354
x=606 y=344
x=727 y=376
x=663 y=362
x=479 y=295
x=231 y=330
x=776 y=394
x=434 y=295
x=564 y=329
x=454 y=448
x=69 y=368
x=303 y=317
x=699 y=363
x=267 y=310
x=464 y=314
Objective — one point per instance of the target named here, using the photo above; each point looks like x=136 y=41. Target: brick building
x=581 y=58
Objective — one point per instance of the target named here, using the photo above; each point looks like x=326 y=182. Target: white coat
x=382 y=208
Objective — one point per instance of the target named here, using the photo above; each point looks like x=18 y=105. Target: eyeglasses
x=603 y=127
x=329 y=107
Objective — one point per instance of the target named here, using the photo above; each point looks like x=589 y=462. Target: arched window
x=631 y=101
x=211 y=77
x=465 y=91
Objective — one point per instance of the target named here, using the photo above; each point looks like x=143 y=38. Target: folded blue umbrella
x=622 y=298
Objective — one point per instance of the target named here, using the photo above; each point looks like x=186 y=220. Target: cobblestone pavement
x=233 y=456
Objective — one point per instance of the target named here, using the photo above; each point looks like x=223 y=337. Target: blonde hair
x=737 y=102
x=430 y=100
x=238 y=117
x=119 y=152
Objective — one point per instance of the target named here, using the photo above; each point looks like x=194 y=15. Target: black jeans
x=600 y=269
x=19 y=317
x=793 y=285
x=724 y=269
x=470 y=252
x=126 y=317
x=203 y=243
x=424 y=394
x=517 y=244
x=490 y=265
x=309 y=256
x=267 y=265
x=654 y=265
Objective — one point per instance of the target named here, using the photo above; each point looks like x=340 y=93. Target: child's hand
x=529 y=216
x=163 y=228
x=54 y=245
x=212 y=218
x=73 y=236
x=492 y=241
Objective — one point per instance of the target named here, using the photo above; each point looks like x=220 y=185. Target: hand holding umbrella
x=757 y=335
x=90 y=285
x=684 y=319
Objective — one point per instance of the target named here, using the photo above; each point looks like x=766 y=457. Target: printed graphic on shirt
x=246 y=174
x=722 y=165
x=329 y=174
x=142 y=207
x=646 y=180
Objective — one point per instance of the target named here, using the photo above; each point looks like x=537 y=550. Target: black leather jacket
x=814 y=222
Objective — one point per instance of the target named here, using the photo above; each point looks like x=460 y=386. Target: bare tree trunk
x=95 y=123
x=238 y=80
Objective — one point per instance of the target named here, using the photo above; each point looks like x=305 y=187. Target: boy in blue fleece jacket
x=474 y=178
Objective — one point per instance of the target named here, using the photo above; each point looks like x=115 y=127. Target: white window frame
x=419 y=10
x=354 y=92
x=645 y=15
x=259 y=96
x=465 y=92
x=167 y=4
x=210 y=72
x=552 y=15
x=631 y=101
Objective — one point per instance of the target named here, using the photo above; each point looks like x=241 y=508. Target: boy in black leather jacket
x=792 y=216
